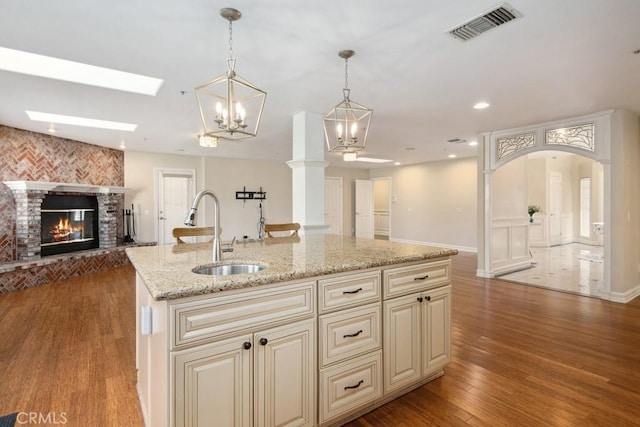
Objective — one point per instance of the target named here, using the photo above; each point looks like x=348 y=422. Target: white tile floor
x=574 y=268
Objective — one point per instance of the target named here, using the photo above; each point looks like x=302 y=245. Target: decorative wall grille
x=580 y=136
x=512 y=144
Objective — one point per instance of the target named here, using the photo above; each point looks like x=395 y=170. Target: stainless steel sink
x=225 y=269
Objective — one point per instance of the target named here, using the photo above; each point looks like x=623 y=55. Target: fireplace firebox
x=69 y=223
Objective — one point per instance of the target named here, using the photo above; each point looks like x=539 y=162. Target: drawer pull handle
x=352 y=292
x=352 y=335
x=354 y=386
x=421 y=278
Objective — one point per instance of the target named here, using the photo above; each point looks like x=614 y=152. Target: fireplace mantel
x=63 y=187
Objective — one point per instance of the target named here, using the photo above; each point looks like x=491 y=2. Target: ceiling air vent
x=485 y=22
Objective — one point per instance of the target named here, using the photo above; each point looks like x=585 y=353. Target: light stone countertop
x=166 y=269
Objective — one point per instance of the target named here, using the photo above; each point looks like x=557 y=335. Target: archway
x=504 y=226
x=565 y=192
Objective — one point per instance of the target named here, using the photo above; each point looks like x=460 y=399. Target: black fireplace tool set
x=128 y=221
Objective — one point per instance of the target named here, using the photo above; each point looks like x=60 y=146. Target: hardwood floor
x=521 y=356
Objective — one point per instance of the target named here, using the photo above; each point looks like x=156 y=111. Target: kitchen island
x=331 y=328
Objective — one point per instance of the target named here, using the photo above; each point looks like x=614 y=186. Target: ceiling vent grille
x=485 y=22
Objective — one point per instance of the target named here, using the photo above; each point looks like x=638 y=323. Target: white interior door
x=175 y=192
x=555 y=208
x=333 y=205
x=364 y=208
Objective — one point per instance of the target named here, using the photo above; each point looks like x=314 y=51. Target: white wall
x=139 y=179
x=222 y=176
x=509 y=226
x=442 y=195
x=240 y=218
x=435 y=203
x=625 y=205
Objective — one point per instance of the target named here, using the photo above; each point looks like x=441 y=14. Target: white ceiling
x=562 y=58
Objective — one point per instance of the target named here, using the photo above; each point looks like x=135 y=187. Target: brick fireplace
x=40 y=164
x=28 y=197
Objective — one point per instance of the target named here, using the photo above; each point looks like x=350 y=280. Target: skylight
x=53 y=68
x=80 y=121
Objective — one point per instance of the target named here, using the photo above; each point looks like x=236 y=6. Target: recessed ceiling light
x=122 y=146
x=372 y=160
x=80 y=121
x=481 y=105
x=60 y=69
x=452 y=156
x=397 y=163
x=473 y=143
x=51 y=129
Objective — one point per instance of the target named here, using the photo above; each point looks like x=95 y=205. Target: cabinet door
x=285 y=372
x=213 y=384
x=436 y=329
x=401 y=342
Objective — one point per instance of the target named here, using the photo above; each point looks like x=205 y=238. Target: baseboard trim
x=625 y=297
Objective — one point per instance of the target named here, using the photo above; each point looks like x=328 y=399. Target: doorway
x=333 y=205
x=175 y=190
x=382 y=208
x=565 y=253
x=364 y=208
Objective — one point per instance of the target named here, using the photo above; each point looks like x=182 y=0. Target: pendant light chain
x=230 y=39
x=346 y=73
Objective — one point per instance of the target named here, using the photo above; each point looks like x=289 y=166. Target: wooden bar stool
x=179 y=232
x=293 y=227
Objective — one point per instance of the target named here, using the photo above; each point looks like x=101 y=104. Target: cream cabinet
x=244 y=358
x=417 y=323
x=271 y=371
x=350 y=342
x=417 y=339
x=213 y=384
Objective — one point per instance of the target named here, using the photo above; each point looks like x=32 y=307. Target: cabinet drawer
x=413 y=278
x=205 y=319
x=349 y=333
x=348 y=291
x=350 y=385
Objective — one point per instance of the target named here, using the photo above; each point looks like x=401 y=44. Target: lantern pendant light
x=346 y=126
x=230 y=107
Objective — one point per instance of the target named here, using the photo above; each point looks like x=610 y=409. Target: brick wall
x=32 y=156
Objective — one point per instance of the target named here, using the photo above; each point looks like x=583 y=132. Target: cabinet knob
x=419 y=299
x=246 y=345
x=263 y=341
x=428 y=298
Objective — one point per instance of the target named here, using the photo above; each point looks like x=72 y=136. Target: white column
x=307 y=175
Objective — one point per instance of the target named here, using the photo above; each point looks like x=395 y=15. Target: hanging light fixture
x=347 y=124
x=230 y=107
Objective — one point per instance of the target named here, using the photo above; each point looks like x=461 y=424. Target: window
x=585 y=207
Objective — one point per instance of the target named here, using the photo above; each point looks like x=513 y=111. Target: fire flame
x=63 y=229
